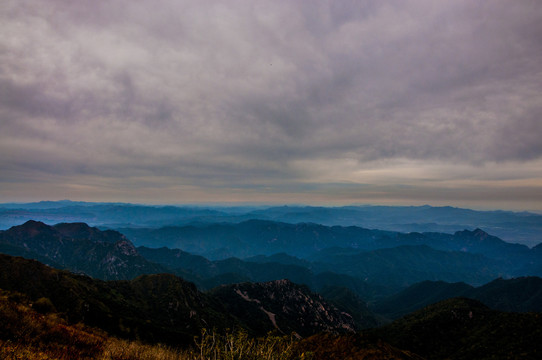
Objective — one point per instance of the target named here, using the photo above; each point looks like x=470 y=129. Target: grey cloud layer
x=242 y=92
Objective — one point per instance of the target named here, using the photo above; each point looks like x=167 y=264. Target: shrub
x=44 y=306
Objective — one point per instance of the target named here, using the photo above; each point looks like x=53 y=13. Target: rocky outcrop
x=107 y=255
x=284 y=307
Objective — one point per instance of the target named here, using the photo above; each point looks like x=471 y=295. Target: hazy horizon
x=240 y=204
x=283 y=102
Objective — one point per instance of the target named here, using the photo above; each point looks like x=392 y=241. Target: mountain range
x=517 y=227
x=380 y=276
x=413 y=295
x=375 y=255
x=166 y=309
x=365 y=268
x=263 y=237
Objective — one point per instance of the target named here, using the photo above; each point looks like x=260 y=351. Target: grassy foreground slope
x=35 y=331
x=153 y=308
x=51 y=314
x=462 y=328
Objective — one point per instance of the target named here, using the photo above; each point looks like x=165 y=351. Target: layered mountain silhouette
x=325 y=296
x=261 y=237
x=521 y=227
x=371 y=274
x=513 y=295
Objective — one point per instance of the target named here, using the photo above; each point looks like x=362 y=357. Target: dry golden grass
x=116 y=349
x=209 y=345
x=31 y=335
x=26 y=334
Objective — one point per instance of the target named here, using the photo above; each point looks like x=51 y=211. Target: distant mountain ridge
x=404 y=265
x=366 y=268
x=520 y=227
x=472 y=256
x=263 y=237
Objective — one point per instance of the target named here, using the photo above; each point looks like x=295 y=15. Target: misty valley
x=123 y=281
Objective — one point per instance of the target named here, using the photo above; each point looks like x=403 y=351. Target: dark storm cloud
x=269 y=93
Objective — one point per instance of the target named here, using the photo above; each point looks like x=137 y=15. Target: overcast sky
x=317 y=102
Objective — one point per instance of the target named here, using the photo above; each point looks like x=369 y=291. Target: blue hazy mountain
x=353 y=250
x=371 y=263
x=370 y=285
x=515 y=227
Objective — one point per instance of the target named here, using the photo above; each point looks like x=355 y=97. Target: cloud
x=250 y=93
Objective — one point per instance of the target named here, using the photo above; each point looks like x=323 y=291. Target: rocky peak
x=481 y=234
x=284 y=306
x=478 y=236
x=126 y=248
x=80 y=248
